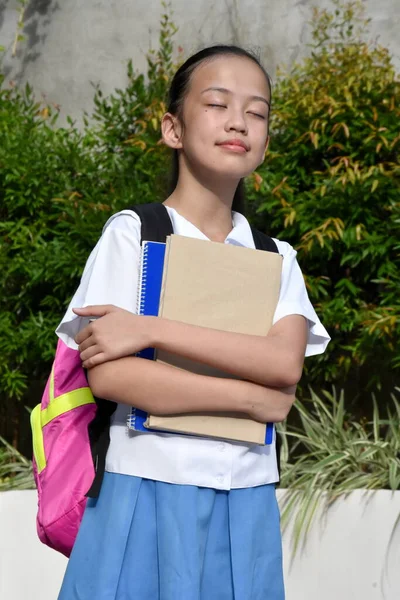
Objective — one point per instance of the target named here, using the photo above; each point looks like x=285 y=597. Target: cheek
x=260 y=139
x=211 y=118
x=203 y=129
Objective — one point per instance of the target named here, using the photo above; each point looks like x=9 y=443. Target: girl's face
x=224 y=130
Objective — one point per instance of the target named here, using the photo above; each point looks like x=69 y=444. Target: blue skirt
x=149 y=540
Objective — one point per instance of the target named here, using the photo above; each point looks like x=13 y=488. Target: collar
x=240 y=235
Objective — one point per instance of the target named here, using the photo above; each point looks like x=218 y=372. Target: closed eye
x=260 y=116
x=257 y=115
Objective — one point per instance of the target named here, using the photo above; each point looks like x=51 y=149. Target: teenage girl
x=180 y=517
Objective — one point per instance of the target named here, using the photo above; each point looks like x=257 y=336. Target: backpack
x=70 y=427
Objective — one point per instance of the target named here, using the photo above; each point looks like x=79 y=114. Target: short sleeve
x=110 y=275
x=293 y=300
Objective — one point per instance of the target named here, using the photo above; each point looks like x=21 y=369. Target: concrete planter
x=350 y=554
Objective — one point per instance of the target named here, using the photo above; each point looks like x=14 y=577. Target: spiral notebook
x=148 y=302
x=215 y=285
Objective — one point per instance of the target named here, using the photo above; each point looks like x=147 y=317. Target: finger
x=89 y=352
x=88 y=342
x=85 y=333
x=94 y=361
x=98 y=310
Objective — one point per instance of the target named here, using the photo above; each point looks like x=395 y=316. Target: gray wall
x=72 y=42
x=353 y=553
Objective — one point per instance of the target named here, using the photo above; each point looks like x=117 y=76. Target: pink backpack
x=61 y=448
x=71 y=429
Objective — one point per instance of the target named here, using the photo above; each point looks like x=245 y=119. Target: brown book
x=225 y=287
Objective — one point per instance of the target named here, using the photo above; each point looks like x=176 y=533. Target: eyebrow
x=226 y=91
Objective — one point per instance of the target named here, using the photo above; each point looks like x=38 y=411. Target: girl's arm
x=274 y=360
x=163 y=390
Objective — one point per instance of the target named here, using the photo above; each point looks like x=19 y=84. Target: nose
x=236 y=122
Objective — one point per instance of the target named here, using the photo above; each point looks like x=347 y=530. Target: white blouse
x=111 y=277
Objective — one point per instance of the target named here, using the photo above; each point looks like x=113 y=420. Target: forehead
x=238 y=74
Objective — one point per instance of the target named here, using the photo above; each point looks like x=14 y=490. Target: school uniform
x=178 y=516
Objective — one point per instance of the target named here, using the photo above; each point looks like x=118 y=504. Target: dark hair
x=177 y=92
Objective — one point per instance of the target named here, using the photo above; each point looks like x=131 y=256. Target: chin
x=236 y=165
x=231 y=167
x=229 y=172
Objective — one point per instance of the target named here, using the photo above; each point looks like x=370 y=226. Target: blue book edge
x=151 y=274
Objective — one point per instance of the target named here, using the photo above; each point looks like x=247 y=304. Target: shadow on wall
x=37 y=17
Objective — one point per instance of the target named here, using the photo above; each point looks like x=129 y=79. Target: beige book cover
x=225 y=287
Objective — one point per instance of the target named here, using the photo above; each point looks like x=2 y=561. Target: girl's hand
x=116 y=334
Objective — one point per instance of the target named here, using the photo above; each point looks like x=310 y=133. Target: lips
x=235 y=145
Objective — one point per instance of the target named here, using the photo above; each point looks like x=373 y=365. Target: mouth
x=237 y=146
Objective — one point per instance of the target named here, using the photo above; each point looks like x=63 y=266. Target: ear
x=171 y=130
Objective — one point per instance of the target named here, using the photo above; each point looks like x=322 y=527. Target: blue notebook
x=150 y=282
x=150 y=278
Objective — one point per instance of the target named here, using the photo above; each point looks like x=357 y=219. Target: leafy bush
x=330 y=185
x=58 y=185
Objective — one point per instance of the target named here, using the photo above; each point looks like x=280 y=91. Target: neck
x=207 y=206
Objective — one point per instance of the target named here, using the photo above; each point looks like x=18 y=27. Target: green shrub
x=330 y=186
x=58 y=186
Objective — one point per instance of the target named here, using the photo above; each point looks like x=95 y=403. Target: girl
x=179 y=517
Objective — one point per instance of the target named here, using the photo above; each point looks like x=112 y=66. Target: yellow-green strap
x=37 y=439
x=51 y=386
x=66 y=402
x=58 y=406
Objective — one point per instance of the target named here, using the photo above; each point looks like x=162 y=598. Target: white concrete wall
x=70 y=43
x=349 y=557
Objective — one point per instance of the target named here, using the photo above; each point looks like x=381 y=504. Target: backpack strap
x=155 y=227
x=99 y=438
x=264 y=242
x=156 y=224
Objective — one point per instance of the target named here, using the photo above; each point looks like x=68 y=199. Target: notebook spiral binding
x=143 y=278
x=131 y=419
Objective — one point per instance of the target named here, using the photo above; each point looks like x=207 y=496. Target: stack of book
x=220 y=286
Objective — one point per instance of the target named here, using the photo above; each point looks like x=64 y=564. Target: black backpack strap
x=264 y=242
x=155 y=227
x=156 y=224
x=99 y=438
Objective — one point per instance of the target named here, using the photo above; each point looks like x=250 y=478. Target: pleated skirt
x=149 y=540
